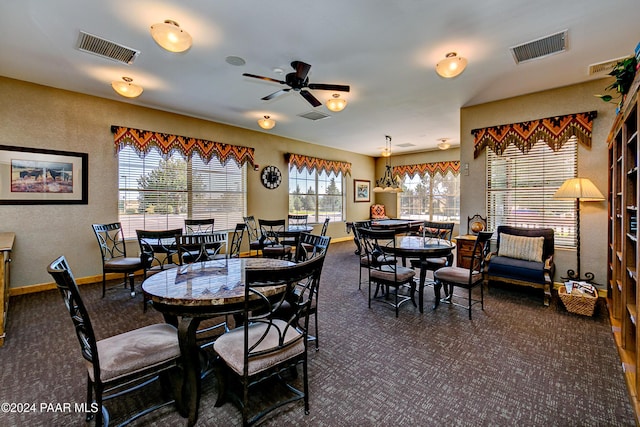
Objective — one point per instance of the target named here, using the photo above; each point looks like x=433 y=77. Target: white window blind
x=156 y=194
x=520 y=189
x=432 y=198
x=317 y=194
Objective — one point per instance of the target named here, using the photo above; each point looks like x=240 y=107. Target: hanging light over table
x=387 y=184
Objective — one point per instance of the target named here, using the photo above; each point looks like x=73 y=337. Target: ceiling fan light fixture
x=266 y=123
x=452 y=66
x=126 y=88
x=170 y=36
x=444 y=144
x=336 y=104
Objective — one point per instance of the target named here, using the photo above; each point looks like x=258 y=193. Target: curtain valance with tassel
x=554 y=131
x=142 y=141
x=301 y=162
x=430 y=169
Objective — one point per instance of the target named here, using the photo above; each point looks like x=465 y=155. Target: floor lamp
x=580 y=190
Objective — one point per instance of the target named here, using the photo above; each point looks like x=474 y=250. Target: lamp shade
x=452 y=66
x=126 y=88
x=170 y=36
x=336 y=103
x=266 y=123
x=579 y=188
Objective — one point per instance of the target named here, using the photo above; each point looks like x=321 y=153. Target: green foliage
x=624 y=72
x=170 y=175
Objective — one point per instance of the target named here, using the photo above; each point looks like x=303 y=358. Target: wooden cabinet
x=6 y=246
x=464 y=250
x=623 y=256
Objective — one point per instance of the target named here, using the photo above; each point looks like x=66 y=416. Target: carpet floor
x=517 y=363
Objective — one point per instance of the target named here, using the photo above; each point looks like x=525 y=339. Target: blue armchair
x=524 y=256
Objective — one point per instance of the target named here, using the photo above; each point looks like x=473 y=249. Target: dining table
x=421 y=247
x=189 y=294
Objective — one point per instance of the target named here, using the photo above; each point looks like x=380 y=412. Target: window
x=317 y=194
x=159 y=194
x=520 y=189
x=431 y=197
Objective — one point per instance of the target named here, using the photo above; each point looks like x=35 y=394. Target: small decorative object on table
x=579 y=297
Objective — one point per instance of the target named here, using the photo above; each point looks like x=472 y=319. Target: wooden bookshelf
x=623 y=252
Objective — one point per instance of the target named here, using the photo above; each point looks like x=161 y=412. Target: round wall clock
x=271 y=177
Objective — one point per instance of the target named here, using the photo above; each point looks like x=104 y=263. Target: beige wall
x=42 y=117
x=592 y=163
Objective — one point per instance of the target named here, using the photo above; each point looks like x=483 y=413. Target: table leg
x=190 y=399
x=436 y=291
x=423 y=278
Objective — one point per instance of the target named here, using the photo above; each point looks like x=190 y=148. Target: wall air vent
x=604 y=67
x=314 y=115
x=106 y=49
x=545 y=46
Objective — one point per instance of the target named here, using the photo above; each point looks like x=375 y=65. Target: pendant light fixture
x=452 y=66
x=336 y=103
x=387 y=183
x=170 y=36
x=266 y=123
x=126 y=88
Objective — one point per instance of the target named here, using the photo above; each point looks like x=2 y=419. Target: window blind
x=520 y=189
x=157 y=193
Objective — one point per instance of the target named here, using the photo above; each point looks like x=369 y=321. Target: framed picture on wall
x=32 y=176
x=361 y=189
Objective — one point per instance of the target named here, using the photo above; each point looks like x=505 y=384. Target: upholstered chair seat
x=135 y=350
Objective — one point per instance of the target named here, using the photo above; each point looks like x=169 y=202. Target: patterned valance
x=430 y=169
x=555 y=131
x=143 y=141
x=313 y=163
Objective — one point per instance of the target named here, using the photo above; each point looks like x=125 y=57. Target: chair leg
x=132 y=284
x=470 y=303
x=315 y=316
x=104 y=284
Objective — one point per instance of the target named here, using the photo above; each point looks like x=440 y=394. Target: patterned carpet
x=516 y=363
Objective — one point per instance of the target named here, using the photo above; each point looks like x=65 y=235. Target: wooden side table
x=6 y=245
x=464 y=250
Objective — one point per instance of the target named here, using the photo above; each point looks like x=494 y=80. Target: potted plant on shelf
x=624 y=72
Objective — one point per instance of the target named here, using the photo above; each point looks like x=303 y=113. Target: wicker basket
x=584 y=304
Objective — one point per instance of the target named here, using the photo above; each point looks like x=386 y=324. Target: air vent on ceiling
x=604 y=67
x=106 y=49
x=405 y=145
x=314 y=115
x=545 y=46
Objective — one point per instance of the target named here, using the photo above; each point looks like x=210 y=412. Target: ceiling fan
x=299 y=82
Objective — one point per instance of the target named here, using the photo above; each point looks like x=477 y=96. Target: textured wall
x=42 y=117
x=592 y=163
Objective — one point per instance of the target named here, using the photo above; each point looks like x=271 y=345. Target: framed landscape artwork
x=361 y=189
x=32 y=176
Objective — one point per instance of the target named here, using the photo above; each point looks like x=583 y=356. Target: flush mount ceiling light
x=336 y=103
x=170 y=36
x=126 y=88
x=266 y=123
x=444 y=144
x=451 y=66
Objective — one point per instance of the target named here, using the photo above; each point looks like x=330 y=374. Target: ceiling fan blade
x=302 y=69
x=310 y=98
x=275 y=94
x=322 y=86
x=269 y=79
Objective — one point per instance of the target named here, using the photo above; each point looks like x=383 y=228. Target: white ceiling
x=385 y=50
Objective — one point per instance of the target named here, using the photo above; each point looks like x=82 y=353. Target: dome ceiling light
x=336 y=103
x=170 y=36
x=267 y=123
x=452 y=66
x=126 y=88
